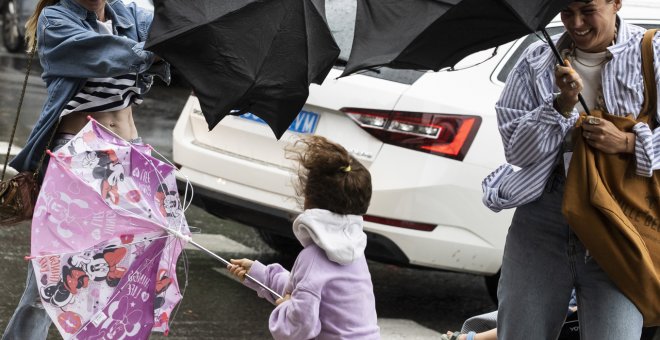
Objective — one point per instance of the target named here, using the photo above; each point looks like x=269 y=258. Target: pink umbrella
x=107 y=231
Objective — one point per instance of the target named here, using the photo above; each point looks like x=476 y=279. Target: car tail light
x=446 y=135
x=400 y=223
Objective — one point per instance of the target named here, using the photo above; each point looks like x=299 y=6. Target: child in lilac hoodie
x=328 y=293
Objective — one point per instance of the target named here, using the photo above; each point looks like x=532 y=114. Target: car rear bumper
x=276 y=221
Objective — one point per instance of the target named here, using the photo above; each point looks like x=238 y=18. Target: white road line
x=390 y=329
x=395 y=329
x=220 y=244
x=14 y=149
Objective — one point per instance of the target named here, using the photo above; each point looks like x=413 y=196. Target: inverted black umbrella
x=244 y=56
x=434 y=34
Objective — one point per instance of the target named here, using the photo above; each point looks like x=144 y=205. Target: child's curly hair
x=329 y=177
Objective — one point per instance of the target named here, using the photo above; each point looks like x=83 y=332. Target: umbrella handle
x=561 y=62
x=200 y=247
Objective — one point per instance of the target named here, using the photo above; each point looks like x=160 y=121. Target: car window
x=530 y=39
x=511 y=62
x=341 y=19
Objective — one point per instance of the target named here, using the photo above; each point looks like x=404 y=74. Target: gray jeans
x=30 y=320
x=543 y=261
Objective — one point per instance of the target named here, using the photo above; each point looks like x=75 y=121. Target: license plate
x=305 y=121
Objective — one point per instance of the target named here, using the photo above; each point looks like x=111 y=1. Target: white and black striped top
x=533 y=131
x=105 y=94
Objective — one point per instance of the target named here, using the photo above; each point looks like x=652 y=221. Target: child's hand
x=279 y=301
x=240 y=267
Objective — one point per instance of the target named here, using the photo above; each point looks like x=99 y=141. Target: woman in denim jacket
x=77 y=41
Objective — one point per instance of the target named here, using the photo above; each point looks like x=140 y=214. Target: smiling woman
x=603 y=63
x=591 y=24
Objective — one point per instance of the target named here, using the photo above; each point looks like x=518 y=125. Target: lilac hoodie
x=330 y=285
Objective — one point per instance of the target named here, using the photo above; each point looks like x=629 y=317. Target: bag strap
x=650 y=105
x=18 y=111
x=31 y=54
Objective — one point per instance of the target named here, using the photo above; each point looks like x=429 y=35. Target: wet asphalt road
x=411 y=303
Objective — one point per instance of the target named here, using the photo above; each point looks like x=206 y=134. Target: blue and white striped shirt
x=533 y=131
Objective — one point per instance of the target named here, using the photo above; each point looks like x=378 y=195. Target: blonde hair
x=31 y=24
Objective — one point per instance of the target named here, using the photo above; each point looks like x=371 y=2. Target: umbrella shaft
x=561 y=62
x=200 y=247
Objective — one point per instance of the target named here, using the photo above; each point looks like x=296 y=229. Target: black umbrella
x=434 y=34
x=246 y=55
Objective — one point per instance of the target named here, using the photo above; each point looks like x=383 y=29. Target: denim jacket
x=70 y=51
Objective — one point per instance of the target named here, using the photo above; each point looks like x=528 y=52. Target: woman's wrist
x=559 y=104
x=630 y=142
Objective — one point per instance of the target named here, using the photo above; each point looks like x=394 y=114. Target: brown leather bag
x=18 y=194
x=17 y=198
x=614 y=211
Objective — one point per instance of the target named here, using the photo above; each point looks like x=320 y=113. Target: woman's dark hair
x=329 y=178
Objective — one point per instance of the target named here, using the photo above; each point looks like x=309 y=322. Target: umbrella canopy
x=102 y=249
x=244 y=56
x=434 y=34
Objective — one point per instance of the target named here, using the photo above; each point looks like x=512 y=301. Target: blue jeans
x=543 y=261
x=30 y=320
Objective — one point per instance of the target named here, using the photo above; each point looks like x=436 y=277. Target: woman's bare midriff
x=119 y=122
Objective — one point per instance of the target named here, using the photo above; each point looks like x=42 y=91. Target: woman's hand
x=604 y=136
x=240 y=267
x=570 y=85
x=284 y=298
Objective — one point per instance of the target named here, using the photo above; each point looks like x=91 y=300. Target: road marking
x=14 y=149
x=395 y=329
x=390 y=329
x=224 y=272
x=220 y=244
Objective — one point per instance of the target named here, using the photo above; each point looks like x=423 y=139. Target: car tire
x=491 y=285
x=281 y=244
x=12 y=34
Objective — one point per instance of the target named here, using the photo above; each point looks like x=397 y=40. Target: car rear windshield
x=341 y=19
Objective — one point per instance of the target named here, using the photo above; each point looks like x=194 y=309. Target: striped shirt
x=105 y=94
x=108 y=93
x=533 y=131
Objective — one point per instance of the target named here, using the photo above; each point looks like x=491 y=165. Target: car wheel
x=491 y=284
x=281 y=243
x=12 y=36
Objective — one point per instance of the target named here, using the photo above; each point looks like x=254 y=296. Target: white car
x=427 y=138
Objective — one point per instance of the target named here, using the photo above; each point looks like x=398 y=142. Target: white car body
x=241 y=161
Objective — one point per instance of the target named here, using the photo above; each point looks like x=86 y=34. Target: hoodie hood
x=340 y=236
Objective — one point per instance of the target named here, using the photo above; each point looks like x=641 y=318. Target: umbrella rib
x=124 y=245
x=270 y=47
x=112 y=298
x=517 y=15
x=186 y=29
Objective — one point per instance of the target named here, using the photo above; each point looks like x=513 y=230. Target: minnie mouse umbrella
x=107 y=231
